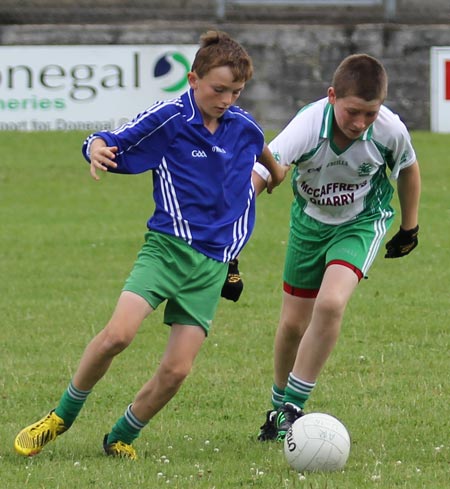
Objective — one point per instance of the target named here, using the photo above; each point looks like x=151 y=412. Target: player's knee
x=330 y=306
x=292 y=328
x=173 y=375
x=114 y=342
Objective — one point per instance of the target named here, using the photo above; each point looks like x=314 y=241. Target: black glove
x=402 y=243
x=232 y=288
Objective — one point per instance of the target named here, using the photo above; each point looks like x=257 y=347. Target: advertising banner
x=46 y=88
x=440 y=89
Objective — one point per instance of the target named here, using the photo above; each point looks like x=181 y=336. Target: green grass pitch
x=67 y=244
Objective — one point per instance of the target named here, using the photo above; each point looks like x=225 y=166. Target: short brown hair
x=362 y=76
x=217 y=49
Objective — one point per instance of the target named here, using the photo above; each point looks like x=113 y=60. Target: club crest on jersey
x=365 y=169
x=198 y=153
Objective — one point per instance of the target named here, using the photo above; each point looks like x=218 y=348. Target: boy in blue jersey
x=201 y=149
x=342 y=148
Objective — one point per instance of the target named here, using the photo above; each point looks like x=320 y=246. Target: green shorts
x=313 y=245
x=167 y=268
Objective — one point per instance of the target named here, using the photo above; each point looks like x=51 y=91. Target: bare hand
x=282 y=171
x=102 y=158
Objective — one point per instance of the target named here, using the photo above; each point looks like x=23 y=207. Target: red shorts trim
x=358 y=272
x=297 y=292
x=312 y=293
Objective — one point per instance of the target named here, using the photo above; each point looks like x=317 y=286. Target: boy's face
x=353 y=115
x=215 y=92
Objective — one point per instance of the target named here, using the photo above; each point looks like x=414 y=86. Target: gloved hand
x=402 y=243
x=232 y=288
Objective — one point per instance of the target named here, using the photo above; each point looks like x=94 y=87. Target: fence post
x=220 y=9
x=390 y=9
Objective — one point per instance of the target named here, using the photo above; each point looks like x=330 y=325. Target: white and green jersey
x=334 y=186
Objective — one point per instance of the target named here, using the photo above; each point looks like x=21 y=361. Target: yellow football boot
x=32 y=439
x=119 y=449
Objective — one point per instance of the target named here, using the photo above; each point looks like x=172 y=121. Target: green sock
x=127 y=428
x=298 y=391
x=277 y=396
x=70 y=404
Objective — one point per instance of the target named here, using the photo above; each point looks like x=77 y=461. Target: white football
x=317 y=442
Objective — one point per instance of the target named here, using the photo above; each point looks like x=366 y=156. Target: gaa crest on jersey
x=199 y=153
x=365 y=169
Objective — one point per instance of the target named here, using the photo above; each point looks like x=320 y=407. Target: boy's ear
x=331 y=95
x=192 y=79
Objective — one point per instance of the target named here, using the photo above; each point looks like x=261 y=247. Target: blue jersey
x=202 y=184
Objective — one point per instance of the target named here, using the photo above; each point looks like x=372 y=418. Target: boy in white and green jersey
x=344 y=149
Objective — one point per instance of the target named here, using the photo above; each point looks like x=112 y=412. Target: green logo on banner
x=174 y=66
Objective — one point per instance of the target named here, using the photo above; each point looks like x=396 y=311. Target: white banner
x=45 y=88
x=440 y=89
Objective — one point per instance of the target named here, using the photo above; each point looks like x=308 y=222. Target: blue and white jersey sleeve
x=142 y=141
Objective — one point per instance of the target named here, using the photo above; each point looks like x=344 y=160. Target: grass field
x=67 y=244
